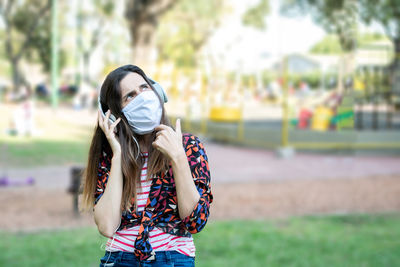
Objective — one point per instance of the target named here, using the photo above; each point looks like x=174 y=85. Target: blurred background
x=297 y=103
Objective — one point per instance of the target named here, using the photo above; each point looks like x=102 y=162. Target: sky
x=238 y=46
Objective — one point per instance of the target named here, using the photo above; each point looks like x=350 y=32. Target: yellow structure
x=359 y=85
x=321 y=118
x=225 y=114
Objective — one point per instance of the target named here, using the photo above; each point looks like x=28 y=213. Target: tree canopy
x=330 y=43
x=186 y=28
x=334 y=16
x=255 y=16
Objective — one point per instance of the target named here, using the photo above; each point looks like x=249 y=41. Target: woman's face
x=131 y=86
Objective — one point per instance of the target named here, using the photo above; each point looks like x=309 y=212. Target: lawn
x=43 y=152
x=337 y=240
x=64 y=138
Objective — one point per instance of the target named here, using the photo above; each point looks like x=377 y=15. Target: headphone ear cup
x=112 y=118
x=160 y=91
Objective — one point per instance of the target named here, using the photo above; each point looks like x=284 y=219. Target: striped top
x=124 y=240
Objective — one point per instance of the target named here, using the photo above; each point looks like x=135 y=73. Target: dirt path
x=30 y=209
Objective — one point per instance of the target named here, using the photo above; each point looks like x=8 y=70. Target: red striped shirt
x=124 y=240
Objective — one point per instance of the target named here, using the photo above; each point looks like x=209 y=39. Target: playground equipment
x=222 y=120
x=376 y=93
x=321 y=119
x=225 y=114
x=6 y=181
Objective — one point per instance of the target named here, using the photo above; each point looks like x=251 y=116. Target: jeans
x=163 y=259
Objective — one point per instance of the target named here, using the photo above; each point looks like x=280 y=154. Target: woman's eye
x=129 y=97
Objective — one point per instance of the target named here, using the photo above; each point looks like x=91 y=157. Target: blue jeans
x=163 y=259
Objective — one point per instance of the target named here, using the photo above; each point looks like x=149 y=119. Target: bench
x=75 y=187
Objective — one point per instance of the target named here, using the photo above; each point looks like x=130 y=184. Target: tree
x=143 y=18
x=185 y=30
x=335 y=17
x=255 y=15
x=25 y=26
x=386 y=13
x=330 y=43
x=90 y=28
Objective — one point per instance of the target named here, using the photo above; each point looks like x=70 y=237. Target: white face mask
x=143 y=112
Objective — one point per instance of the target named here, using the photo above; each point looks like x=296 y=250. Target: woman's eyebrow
x=140 y=86
x=143 y=85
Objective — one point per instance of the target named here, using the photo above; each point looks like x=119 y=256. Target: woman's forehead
x=131 y=81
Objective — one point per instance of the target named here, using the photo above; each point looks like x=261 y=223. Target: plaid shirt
x=161 y=209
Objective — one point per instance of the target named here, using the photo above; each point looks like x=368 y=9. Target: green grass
x=343 y=240
x=61 y=142
x=40 y=152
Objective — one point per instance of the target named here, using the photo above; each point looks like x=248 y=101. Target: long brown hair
x=110 y=98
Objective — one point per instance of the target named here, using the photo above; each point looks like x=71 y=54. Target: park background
x=303 y=95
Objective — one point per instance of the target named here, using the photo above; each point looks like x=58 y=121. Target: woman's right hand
x=108 y=130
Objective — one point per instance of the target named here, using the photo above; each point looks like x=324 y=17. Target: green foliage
x=186 y=28
x=268 y=76
x=313 y=79
x=330 y=44
x=105 y=7
x=368 y=38
x=255 y=16
x=37 y=49
x=335 y=240
x=334 y=16
x=247 y=80
x=385 y=12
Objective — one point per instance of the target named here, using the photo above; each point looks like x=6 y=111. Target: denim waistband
x=160 y=255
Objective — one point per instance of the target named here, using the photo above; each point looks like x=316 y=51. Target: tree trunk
x=143 y=17
x=15 y=75
x=144 y=45
x=396 y=42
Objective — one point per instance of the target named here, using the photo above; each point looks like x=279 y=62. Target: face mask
x=143 y=112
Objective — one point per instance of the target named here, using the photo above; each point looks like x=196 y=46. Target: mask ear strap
x=137 y=144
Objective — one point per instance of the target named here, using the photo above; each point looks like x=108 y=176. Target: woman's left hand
x=168 y=141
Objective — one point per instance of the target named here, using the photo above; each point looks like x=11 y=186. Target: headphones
x=160 y=91
x=157 y=87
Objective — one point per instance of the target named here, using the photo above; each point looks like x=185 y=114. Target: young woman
x=148 y=184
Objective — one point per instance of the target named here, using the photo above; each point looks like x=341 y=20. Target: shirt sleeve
x=103 y=171
x=198 y=162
